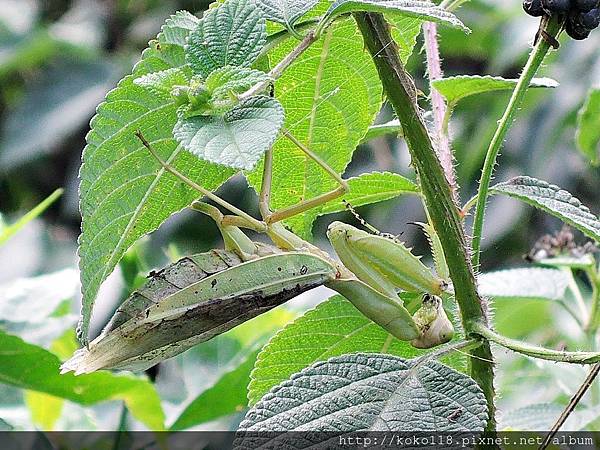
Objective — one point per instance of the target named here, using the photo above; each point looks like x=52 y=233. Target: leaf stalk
x=552 y=28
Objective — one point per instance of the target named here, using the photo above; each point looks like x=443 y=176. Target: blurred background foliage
x=58 y=58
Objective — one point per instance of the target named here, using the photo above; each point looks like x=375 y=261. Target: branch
x=534 y=351
x=552 y=28
x=401 y=93
x=310 y=38
x=438 y=105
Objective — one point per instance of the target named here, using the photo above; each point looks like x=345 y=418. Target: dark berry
x=557 y=6
x=533 y=8
x=590 y=19
x=575 y=29
x=585 y=5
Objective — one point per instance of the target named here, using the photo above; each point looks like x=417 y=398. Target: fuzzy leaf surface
x=239 y=138
x=456 y=88
x=124 y=192
x=285 y=12
x=335 y=327
x=231 y=34
x=554 y=200
x=526 y=283
x=360 y=392
x=423 y=10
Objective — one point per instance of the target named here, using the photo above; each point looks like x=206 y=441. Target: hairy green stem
x=401 y=93
x=533 y=350
x=552 y=28
x=594 y=319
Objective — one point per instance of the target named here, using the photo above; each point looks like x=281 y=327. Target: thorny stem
x=401 y=93
x=434 y=68
x=552 y=28
x=278 y=70
x=215 y=198
x=589 y=380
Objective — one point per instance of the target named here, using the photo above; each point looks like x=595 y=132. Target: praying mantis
x=204 y=295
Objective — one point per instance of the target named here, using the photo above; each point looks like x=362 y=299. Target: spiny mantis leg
x=256 y=224
x=305 y=205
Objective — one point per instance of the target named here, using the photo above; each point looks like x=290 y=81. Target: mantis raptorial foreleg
x=254 y=223
x=305 y=205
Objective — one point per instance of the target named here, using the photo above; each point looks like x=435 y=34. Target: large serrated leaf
x=372 y=188
x=423 y=10
x=30 y=367
x=526 y=283
x=588 y=123
x=230 y=34
x=237 y=139
x=456 y=88
x=331 y=95
x=162 y=83
x=285 y=12
x=124 y=193
x=554 y=201
x=366 y=392
x=335 y=327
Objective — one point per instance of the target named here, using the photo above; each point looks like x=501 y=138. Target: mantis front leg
x=305 y=205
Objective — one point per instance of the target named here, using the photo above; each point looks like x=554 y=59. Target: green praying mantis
x=204 y=295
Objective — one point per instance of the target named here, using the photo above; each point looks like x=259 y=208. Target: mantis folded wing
x=194 y=300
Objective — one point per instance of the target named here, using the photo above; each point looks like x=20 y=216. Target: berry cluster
x=582 y=16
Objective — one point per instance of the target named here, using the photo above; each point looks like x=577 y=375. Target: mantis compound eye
x=433 y=323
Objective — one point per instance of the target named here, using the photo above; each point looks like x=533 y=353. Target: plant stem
x=594 y=320
x=401 y=93
x=533 y=350
x=589 y=380
x=278 y=70
x=438 y=105
x=533 y=64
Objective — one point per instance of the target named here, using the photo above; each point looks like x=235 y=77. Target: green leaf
x=6 y=231
x=237 y=139
x=373 y=392
x=124 y=192
x=527 y=283
x=30 y=367
x=372 y=188
x=423 y=10
x=383 y=129
x=161 y=83
x=331 y=96
x=230 y=34
x=45 y=409
x=227 y=396
x=456 y=88
x=31 y=307
x=333 y=328
x=541 y=416
x=554 y=201
x=405 y=31
x=588 y=127
x=285 y=12
x=222 y=82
